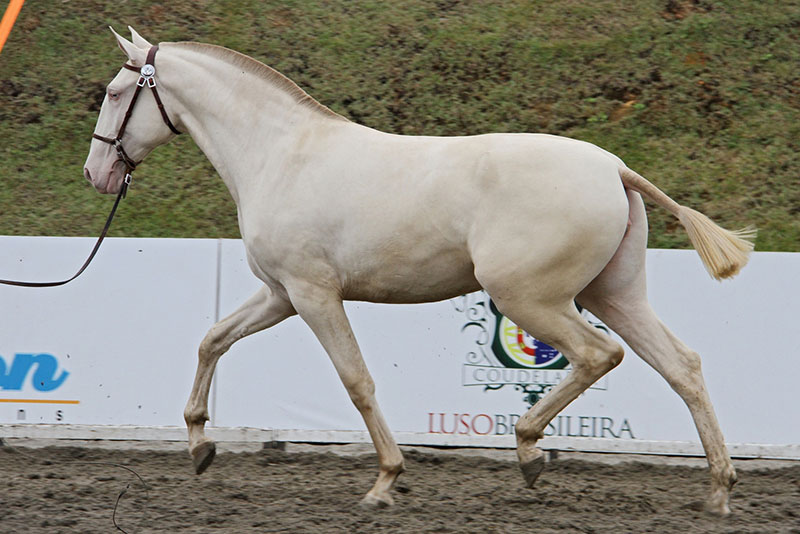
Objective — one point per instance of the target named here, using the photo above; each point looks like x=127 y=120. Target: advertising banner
x=118 y=347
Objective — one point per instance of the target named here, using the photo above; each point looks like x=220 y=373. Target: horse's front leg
x=262 y=310
x=323 y=311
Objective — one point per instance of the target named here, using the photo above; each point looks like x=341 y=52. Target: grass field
x=700 y=96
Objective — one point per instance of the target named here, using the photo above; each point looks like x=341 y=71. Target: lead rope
x=120 y=196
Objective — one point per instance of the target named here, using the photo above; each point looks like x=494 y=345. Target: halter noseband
x=146 y=77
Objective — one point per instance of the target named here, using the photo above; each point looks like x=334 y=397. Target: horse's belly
x=405 y=282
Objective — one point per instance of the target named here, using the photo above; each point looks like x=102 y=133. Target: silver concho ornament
x=148 y=70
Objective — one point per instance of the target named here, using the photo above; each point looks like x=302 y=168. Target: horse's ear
x=136 y=55
x=138 y=40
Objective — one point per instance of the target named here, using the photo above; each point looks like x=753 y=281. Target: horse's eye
x=113 y=95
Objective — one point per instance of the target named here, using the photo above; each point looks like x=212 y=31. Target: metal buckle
x=146 y=76
x=126 y=182
x=118 y=147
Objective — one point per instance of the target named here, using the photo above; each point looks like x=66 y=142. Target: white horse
x=330 y=210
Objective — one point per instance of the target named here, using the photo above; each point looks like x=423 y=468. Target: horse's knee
x=207 y=347
x=363 y=397
x=361 y=390
x=213 y=344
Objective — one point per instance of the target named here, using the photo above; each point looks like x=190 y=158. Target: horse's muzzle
x=108 y=186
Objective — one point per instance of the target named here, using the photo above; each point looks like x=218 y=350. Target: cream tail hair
x=723 y=252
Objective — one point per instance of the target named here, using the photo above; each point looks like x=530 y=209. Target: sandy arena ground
x=57 y=487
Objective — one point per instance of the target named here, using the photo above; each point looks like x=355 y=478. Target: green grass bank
x=702 y=97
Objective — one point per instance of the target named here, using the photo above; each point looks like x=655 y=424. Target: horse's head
x=130 y=124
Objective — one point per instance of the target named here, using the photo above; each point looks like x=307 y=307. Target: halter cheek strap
x=146 y=78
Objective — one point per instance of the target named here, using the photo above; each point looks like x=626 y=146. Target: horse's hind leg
x=262 y=310
x=618 y=296
x=591 y=353
x=322 y=310
x=638 y=325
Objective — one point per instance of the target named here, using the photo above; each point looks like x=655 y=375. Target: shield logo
x=513 y=347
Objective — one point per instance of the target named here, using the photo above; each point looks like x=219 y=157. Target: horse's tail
x=723 y=252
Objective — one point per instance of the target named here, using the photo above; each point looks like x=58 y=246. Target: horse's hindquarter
x=403 y=219
x=552 y=218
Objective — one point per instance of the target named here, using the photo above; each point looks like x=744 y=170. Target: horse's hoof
x=717 y=506
x=719 y=512
x=203 y=455
x=532 y=469
x=371 y=502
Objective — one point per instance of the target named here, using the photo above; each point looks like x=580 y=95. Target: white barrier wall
x=115 y=346
x=118 y=347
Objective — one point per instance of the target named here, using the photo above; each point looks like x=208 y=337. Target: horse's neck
x=244 y=124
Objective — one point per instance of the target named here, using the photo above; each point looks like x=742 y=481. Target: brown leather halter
x=146 y=77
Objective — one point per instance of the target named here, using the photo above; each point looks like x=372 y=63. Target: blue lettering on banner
x=12 y=377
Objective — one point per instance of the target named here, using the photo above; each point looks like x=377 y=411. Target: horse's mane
x=264 y=72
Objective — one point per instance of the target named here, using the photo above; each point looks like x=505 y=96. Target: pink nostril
x=86 y=174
